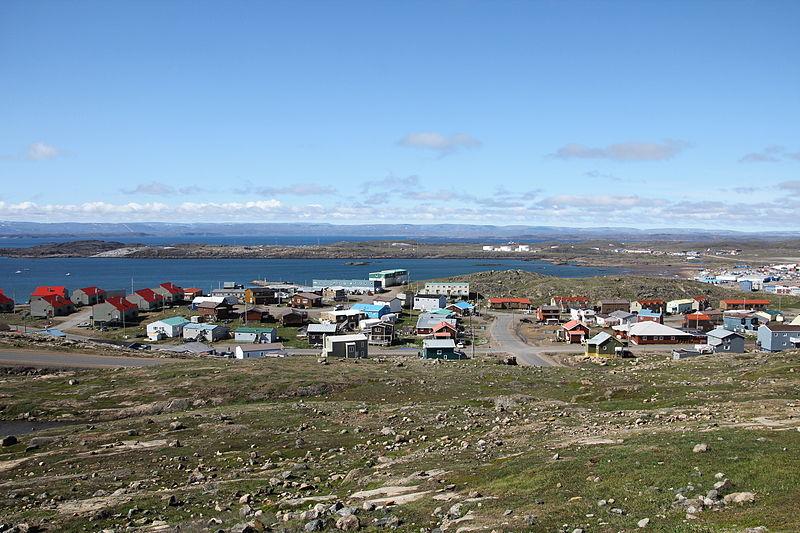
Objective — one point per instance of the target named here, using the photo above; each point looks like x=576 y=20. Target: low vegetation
x=408 y=444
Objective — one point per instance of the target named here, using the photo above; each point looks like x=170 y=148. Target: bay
x=208 y=274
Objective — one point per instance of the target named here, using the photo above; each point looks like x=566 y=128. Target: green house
x=440 y=349
x=603 y=344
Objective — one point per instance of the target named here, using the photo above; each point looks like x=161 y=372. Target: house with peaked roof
x=204 y=332
x=680 y=306
x=395 y=304
x=6 y=303
x=654 y=304
x=607 y=306
x=565 y=303
x=725 y=341
x=171 y=293
x=115 y=310
x=255 y=335
x=510 y=303
x=549 y=314
x=741 y=321
x=171 y=328
x=381 y=333
x=778 y=337
x=372 y=310
x=306 y=300
x=655 y=333
x=50 y=290
x=699 y=321
x=444 y=330
x=573 y=332
x=215 y=310
x=624 y=317
x=146 y=300
x=461 y=308
x=646 y=315
x=444 y=349
x=293 y=317
x=316 y=333
x=258 y=350
x=51 y=305
x=346 y=346
x=427 y=321
x=757 y=304
x=88 y=296
x=603 y=344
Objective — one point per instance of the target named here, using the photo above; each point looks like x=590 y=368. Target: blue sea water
x=19 y=276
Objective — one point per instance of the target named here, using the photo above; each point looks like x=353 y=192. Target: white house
x=264 y=349
x=678 y=307
x=584 y=316
x=429 y=302
x=450 y=289
x=170 y=328
x=395 y=304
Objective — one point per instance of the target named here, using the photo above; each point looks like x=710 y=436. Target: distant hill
x=419 y=231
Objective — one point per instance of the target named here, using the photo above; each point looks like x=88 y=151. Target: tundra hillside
x=708 y=444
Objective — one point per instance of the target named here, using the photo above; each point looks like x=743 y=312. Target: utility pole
x=472 y=331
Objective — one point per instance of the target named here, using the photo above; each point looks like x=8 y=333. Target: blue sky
x=647 y=114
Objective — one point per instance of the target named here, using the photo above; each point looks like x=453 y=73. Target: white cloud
x=627 y=151
x=437 y=142
x=40 y=151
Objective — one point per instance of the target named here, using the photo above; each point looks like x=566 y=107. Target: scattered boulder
x=348 y=523
x=9 y=440
x=700 y=448
x=739 y=498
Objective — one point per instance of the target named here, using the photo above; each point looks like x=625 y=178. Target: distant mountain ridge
x=410 y=231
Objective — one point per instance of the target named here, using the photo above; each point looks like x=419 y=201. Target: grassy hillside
x=408 y=444
x=541 y=288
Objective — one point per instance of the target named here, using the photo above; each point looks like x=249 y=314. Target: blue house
x=371 y=310
x=740 y=322
x=778 y=337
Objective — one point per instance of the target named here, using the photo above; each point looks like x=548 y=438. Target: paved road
x=505 y=339
x=72 y=360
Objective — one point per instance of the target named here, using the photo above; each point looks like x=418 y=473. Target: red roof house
x=510 y=303
x=88 y=296
x=6 y=303
x=573 y=332
x=51 y=305
x=756 y=304
x=146 y=299
x=115 y=310
x=48 y=290
x=444 y=330
x=170 y=292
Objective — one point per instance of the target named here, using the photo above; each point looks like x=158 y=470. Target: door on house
x=351 y=349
